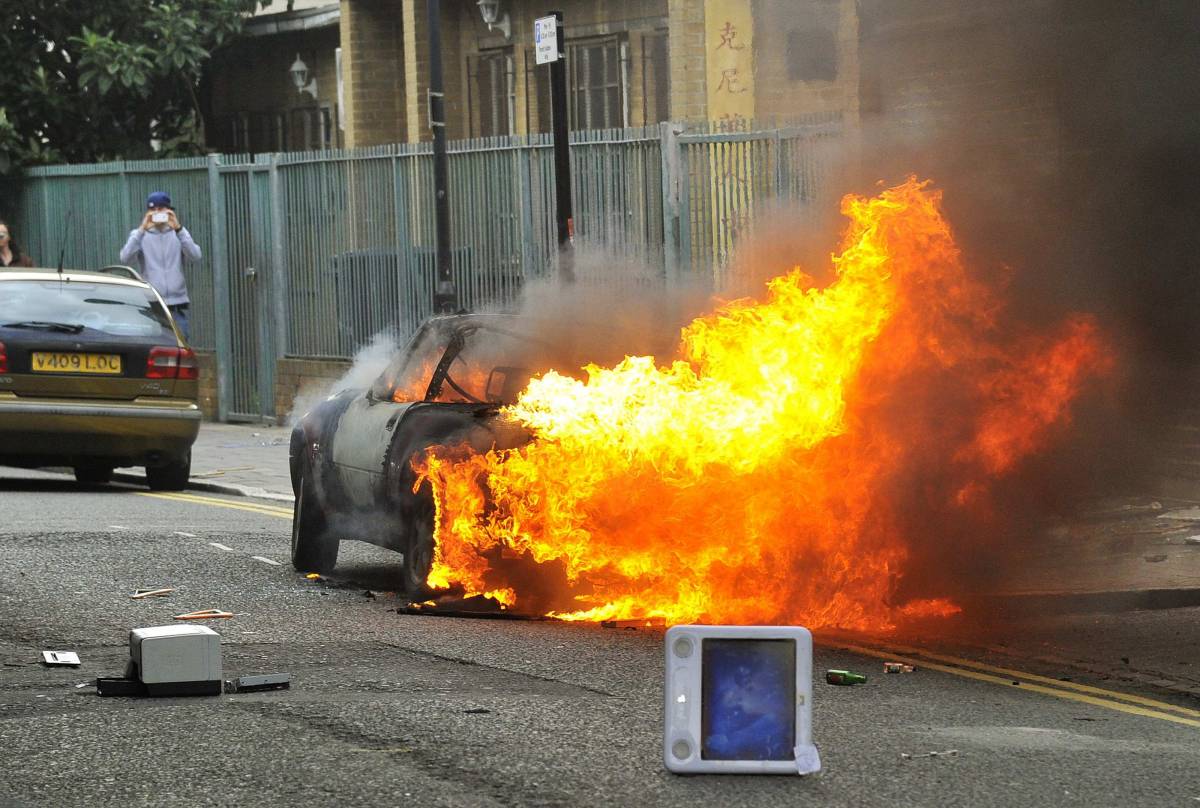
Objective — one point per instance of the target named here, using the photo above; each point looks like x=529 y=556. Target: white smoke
x=366 y=366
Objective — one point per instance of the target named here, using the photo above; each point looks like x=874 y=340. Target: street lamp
x=299 y=72
x=490 y=11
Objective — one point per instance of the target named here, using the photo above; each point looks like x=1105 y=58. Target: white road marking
x=185 y=535
x=220 y=546
x=270 y=561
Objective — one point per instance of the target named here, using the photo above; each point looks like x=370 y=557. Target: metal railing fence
x=313 y=253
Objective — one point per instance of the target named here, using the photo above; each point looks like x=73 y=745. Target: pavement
x=241 y=459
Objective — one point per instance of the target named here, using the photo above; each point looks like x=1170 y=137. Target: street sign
x=545 y=40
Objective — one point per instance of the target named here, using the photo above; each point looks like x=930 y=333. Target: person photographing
x=160 y=245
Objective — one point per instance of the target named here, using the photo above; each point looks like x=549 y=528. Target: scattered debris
x=313 y=576
x=176 y=660
x=119 y=686
x=835 y=677
x=477 y=711
x=266 y=681
x=68 y=658
x=139 y=594
x=221 y=472
x=1125 y=659
x=1192 y=540
x=1154 y=559
x=204 y=614
x=946 y=753
x=369 y=594
x=81 y=684
x=897 y=667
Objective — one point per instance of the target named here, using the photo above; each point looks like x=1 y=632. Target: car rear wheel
x=313 y=549
x=93 y=473
x=170 y=476
x=418 y=555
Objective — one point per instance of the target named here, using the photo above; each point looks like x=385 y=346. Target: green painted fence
x=313 y=253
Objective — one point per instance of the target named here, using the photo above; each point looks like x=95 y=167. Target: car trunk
x=64 y=365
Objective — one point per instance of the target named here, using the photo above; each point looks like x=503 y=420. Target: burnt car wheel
x=170 y=476
x=93 y=473
x=418 y=555
x=313 y=549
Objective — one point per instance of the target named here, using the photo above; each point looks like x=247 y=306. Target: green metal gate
x=246 y=262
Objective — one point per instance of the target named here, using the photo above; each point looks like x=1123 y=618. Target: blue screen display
x=748 y=700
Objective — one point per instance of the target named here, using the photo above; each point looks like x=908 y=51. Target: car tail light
x=188 y=369
x=3 y=359
x=171 y=363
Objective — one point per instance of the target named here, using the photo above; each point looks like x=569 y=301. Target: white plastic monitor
x=739 y=700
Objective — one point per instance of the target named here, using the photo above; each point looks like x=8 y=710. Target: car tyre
x=313 y=549
x=93 y=473
x=170 y=476
x=418 y=555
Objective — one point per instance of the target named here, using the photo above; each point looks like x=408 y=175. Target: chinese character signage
x=729 y=48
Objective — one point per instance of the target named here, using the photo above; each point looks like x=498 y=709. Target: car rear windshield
x=108 y=308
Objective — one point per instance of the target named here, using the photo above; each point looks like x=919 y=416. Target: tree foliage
x=103 y=79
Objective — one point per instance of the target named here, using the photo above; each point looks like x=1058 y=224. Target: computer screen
x=748 y=699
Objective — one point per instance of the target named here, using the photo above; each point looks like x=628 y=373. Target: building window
x=492 y=93
x=812 y=55
x=597 y=75
x=597 y=85
x=656 y=79
x=310 y=129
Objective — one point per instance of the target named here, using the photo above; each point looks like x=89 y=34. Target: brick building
x=630 y=63
x=276 y=88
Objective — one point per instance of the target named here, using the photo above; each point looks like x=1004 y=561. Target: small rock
x=1154 y=559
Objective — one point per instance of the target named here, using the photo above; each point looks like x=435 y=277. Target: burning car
x=352 y=456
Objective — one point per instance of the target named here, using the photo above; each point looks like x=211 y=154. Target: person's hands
x=173 y=221
x=147 y=223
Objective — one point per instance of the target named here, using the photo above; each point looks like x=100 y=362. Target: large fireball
x=754 y=478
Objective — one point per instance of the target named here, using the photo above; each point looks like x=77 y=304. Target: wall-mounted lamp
x=490 y=11
x=299 y=72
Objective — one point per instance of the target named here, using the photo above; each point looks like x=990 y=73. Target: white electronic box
x=739 y=700
x=177 y=660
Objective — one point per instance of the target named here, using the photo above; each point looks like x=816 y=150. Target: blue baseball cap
x=158 y=199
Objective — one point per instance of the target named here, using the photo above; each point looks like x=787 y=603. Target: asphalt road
x=391 y=709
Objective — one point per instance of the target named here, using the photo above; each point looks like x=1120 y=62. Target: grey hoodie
x=160 y=255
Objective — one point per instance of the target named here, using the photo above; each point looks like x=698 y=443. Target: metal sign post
x=549 y=49
x=445 y=299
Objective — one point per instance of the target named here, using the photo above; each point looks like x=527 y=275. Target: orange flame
x=753 y=479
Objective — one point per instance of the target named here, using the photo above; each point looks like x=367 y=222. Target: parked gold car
x=94 y=375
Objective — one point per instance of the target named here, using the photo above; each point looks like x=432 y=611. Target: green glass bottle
x=844 y=678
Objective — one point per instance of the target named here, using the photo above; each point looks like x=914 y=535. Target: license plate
x=44 y=362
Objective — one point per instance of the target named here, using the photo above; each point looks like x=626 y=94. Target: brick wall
x=779 y=95
x=689 y=89
x=207 y=362
x=964 y=86
x=373 y=72
x=298 y=378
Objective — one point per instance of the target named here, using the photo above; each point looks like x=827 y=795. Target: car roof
x=91 y=276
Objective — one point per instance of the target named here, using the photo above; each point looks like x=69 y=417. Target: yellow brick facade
x=672 y=57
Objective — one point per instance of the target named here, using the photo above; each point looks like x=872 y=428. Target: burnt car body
x=352 y=455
